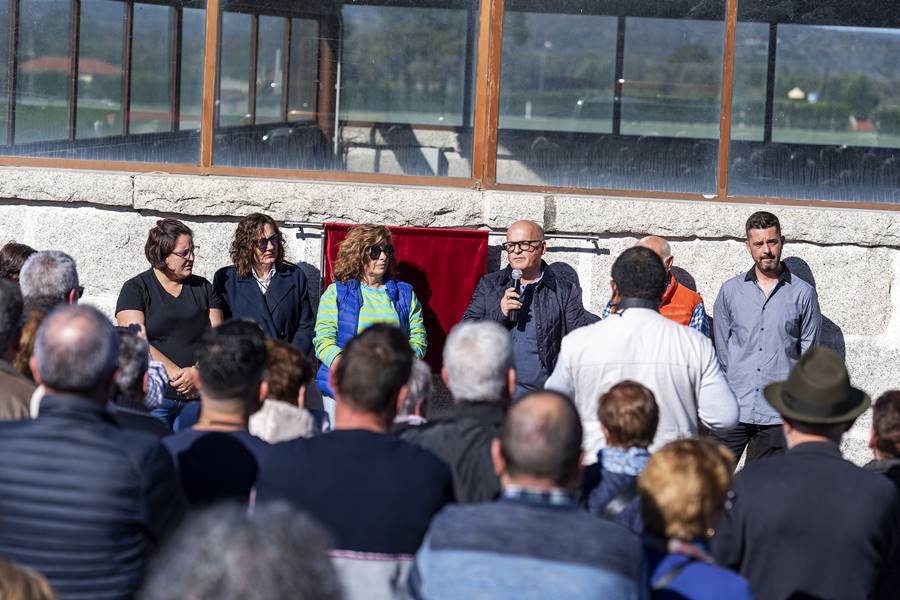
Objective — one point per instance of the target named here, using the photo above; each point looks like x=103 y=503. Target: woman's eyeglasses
x=185 y=253
x=375 y=251
x=263 y=244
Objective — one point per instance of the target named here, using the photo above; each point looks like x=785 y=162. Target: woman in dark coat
x=263 y=287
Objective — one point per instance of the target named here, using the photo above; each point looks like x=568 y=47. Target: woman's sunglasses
x=375 y=251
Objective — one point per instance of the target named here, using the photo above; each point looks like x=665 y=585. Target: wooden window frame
x=483 y=47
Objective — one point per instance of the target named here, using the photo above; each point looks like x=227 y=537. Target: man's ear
x=263 y=390
x=35 y=372
x=668 y=263
x=615 y=297
x=145 y=386
x=73 y=296
x=301 y=397
x=873 y=440
x=445 y=377
x=497 y=458
x=332 y=380
x=198 y=382
x=511 y=382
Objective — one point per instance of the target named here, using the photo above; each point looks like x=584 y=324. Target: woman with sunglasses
x=174 y=306
x=363 y=293
x=263 y=287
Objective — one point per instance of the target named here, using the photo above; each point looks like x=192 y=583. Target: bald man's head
x=529 y=230
x=660 y=246
x=76 y=350
x=541 y=439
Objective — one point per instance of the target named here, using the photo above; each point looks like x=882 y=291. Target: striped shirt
x=376 y=308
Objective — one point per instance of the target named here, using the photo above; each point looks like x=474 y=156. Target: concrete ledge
x=65 y=186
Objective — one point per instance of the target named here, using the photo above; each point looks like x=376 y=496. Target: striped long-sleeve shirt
x=376 y=308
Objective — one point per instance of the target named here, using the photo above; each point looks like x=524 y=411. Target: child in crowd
x=628 y=418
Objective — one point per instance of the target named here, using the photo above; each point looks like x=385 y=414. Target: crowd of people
x=193 y=450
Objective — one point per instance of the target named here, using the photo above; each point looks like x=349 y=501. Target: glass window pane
x=399 y=78
x=193 y=48
x=820 y=118
x=4 y=69
x=151 y=72
x=234 y=70
x=42 y=107
x=270 y=69
x=303 y=82
x=611 y=95
x=43 y=119
x=100 y=49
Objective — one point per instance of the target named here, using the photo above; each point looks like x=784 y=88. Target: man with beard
x=765 y=319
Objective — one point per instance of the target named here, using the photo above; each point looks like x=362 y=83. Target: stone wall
x=101 y=219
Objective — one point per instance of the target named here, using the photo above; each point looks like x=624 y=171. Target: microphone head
x=516 y=274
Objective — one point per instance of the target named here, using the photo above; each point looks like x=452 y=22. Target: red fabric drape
x=442 y=265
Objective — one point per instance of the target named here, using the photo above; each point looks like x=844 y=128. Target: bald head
x=75 y=351
x=525 y=230
x=541 y=439
x=657 y=244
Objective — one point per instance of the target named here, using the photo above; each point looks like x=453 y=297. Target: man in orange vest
x=679 y=303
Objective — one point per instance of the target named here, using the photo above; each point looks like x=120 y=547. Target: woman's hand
x=185 y=382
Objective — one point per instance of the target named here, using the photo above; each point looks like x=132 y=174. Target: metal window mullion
x=175 y=41
x=126 y=66
x=286 y=69
x=73 y=66
x=770 y=83
x=619 y=77
x=11 y=71
x=254 y=58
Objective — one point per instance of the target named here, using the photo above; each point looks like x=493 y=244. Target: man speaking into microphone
x=536 y=306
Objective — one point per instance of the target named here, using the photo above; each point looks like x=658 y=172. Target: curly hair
x=249 y=229
x=354 y=251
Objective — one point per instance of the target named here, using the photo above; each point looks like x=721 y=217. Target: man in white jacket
x=676 y=362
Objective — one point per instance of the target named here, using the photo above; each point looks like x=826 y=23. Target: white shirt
x=279 y=421
x=265 y=281
x=677 y=363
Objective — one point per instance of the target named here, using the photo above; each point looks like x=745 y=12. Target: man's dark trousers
x=761 y=441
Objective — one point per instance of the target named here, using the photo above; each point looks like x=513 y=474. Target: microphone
x=517 y=283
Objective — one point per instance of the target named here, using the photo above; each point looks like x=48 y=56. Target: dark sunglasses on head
x=375 y=251
x=263 y=244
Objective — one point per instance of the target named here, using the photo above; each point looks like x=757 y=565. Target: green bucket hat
x=818 y=390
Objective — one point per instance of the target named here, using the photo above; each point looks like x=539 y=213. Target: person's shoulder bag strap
x=620 y=501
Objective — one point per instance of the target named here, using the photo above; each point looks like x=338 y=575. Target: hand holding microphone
x=511 y=301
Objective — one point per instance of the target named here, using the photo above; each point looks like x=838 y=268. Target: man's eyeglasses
x=375 y=251
x=79 y=291
x=524 y=245
x=185 y=253
x=263 y=244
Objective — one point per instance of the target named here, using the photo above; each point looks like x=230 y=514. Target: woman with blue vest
x=363 y=293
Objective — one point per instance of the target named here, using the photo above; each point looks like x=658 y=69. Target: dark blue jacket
x=557 y=308
x=284 y=313
x=600 y=486
x=82 y=501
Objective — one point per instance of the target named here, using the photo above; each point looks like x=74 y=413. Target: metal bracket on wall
x=303 y=226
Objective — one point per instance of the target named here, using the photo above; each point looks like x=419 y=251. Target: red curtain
x=442 y=265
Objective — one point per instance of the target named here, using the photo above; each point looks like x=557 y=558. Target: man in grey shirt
x=764 y=320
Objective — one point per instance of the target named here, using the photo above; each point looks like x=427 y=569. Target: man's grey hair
x=224 y=553
x=133 y=361
x=76 y=349
x=477 y=357
x=420 y=388
x=47 y=277
x=10 y=314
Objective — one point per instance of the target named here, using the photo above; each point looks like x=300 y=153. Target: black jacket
x=889 y=467
x=557 y=308
x=463 y=441
x=809 y=524
x=82 y=501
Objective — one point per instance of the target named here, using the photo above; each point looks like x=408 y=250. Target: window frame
x=487 y=49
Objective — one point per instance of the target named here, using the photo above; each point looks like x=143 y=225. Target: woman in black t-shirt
x=175 y=307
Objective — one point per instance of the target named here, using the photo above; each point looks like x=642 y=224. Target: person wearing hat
x=809 y=524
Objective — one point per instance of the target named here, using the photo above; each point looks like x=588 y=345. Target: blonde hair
x=683 y=488
x=353 y=253
x=22 y=583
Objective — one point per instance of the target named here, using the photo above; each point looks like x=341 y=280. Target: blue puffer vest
x=349 y=302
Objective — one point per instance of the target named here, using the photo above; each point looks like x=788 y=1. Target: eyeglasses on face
x=524 y=245
x=185 y=253
x=79 y=291
x=375 y=251
x=263 y=244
